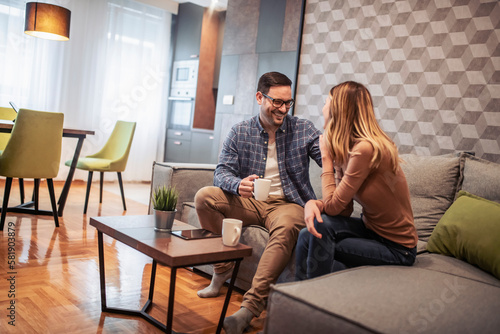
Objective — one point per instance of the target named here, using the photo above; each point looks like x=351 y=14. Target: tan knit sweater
x=383 y=194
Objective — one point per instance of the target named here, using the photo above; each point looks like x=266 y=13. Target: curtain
x=114 y=67
x=30 y=71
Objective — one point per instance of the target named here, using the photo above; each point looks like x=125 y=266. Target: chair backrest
x=8 y=114
x=117 y=148
x=34 y=148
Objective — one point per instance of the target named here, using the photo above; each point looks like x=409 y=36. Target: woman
x=360 y=162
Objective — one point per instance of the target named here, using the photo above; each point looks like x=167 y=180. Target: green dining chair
x=112 y=157
x=9 y=114
x=33 y=152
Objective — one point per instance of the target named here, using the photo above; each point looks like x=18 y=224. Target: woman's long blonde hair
x=352 y=119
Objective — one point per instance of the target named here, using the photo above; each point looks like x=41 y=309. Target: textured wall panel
x=241 y=16
x=433 y=68
x=252 y=46
x=291 y=28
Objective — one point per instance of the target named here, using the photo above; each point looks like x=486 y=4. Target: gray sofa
x=438 y=294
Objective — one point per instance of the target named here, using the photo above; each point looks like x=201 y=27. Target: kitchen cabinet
x=194 y=146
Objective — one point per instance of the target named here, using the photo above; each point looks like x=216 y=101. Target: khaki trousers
x=282 y=219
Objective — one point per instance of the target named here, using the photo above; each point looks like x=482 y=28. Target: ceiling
x=173 y=5
x=217 y=4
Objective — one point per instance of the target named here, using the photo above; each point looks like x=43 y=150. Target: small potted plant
x=164 y=200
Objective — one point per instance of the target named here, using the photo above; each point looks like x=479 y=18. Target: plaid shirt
x=244 y=153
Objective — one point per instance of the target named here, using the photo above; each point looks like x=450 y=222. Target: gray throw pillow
x=432 y=181
x=481 y=178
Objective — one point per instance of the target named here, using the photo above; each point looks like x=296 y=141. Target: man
x=272 y=145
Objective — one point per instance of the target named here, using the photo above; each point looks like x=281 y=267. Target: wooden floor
x=54 y=287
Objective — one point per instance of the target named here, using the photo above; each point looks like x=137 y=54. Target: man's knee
x=204 y=196
x=288 y=226
x=209 y=215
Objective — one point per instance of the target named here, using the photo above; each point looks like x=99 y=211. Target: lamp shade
x=47 y=21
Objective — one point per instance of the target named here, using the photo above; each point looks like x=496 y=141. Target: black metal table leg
x=69 y=178
x=152 y=281
x=228 y=296
x=143 y=312
x=102 y=277
x=171 y=295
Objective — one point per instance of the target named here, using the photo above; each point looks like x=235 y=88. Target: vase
x=164 y=220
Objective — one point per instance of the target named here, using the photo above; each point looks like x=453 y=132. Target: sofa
x=453 y=287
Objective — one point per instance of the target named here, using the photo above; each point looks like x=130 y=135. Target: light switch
x=228 y=99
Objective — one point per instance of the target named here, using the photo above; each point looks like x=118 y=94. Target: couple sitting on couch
x=359 y=162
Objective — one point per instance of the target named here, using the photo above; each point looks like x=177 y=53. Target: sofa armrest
x=188 y=178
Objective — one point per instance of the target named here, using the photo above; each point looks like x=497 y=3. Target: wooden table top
x=6 y=126
x=138 y=232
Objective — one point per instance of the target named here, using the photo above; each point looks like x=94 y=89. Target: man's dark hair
x=270 y=79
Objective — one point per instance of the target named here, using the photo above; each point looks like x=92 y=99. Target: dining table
x=6 y=127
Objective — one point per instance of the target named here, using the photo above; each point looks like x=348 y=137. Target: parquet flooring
x=55 y=285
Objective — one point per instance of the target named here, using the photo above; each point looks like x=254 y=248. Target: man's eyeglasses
x=278 y=103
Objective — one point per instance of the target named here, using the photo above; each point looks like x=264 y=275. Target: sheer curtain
x=30 y=71
x=115 y=67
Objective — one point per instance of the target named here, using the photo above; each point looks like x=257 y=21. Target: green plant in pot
x=164 y=200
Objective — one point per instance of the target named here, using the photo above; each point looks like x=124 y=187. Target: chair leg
x=121 y=190
x=5 y=205
x=89 y=183
x=36 y=190
x=52 y=194
x=100 y=187
x=21 y=190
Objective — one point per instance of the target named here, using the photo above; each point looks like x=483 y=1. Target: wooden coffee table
x=138 y=232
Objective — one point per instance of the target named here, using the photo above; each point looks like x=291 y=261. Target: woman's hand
x=325 y=153
x=312 y=211
x=326 y=157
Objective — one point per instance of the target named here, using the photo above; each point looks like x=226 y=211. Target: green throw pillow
x=470 y=231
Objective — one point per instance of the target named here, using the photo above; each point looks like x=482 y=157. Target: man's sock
x=215 y=285
x=237 y=323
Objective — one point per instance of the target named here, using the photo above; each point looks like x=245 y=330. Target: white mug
x=261 y=189
x=231 y=231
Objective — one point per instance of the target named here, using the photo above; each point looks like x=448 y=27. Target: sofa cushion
x=481 y=178
x=189 y=214
x=470 y=231
x=430 y=175
x=187 y=178
x=454 y=266
x=384 y=299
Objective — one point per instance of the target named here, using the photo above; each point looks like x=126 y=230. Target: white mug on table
x=231 y=231
x=261 y=189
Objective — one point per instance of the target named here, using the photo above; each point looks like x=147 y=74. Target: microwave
x=184 y=78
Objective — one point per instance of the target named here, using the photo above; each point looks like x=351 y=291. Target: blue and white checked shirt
x=244 y=153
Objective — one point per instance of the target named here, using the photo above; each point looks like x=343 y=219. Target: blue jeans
x=346 y=243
